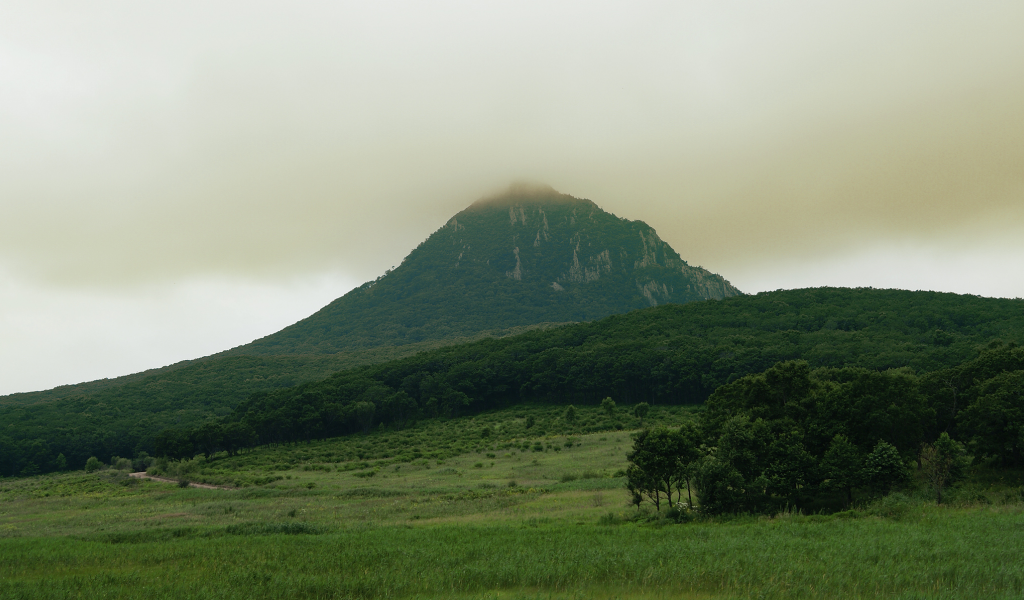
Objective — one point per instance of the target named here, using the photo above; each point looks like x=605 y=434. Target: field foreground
x=962 y=554
x=494 y=522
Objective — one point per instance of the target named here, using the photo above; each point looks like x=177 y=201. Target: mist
x=791 y=144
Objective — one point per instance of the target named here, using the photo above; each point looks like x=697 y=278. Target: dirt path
x=142 y=475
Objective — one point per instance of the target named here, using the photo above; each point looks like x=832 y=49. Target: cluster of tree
x=808 y=438
x=671 y=354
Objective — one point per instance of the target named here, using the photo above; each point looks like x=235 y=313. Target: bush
x=142 y=462
x=679 y=515
x=894 y=506
x=121 y=464
x=93 y=464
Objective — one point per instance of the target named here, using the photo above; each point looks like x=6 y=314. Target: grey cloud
x=155 y=144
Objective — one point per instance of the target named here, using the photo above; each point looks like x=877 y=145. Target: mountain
x=531 y=255
x=528 y=259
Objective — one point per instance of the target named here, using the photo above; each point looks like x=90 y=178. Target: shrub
x=142 y=462
x=93 y=464
x=679 y=515
x=894 y=506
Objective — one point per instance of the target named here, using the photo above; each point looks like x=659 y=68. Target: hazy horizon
x=178 y=180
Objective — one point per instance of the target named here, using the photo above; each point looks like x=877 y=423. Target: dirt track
x=142 y=475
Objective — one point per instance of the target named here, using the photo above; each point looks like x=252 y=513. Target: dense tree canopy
x=865 y=347
x=796 y=436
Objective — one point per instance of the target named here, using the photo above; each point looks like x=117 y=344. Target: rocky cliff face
x=531 y=255
x=538 y=235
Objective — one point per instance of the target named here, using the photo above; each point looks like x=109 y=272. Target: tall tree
x=654 y=464
x=883 y=468
x=842 y=467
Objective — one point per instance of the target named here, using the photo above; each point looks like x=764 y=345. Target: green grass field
x=445 y=511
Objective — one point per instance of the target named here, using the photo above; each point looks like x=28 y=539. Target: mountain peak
x=526 y=256
x=523 y=192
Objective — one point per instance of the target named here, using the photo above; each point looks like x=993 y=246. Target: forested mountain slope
x=665 y=354
x=668 y=354
x=528 y=256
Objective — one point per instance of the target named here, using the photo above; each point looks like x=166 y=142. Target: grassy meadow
x=481 y=507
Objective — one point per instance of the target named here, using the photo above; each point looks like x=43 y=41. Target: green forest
x=665 y=355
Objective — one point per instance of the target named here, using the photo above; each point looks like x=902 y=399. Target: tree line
x=809 y=438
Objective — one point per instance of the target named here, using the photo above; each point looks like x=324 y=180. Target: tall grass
x=940 y=553
x=525 y=524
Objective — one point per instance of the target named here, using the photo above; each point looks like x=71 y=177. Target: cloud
x=146 y=143
x=152 y=146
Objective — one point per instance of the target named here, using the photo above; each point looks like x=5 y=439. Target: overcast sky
x=180 y=178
